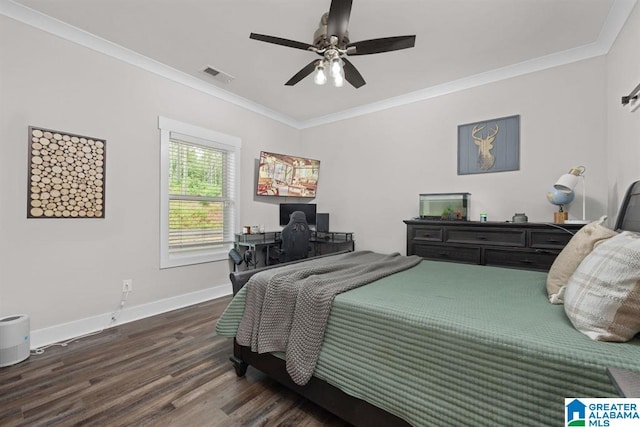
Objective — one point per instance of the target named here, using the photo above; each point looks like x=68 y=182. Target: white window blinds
x=201 y=197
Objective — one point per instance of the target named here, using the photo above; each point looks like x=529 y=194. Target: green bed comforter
x=454 y=344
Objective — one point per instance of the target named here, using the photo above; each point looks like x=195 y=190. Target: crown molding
x=618 y=15
x=492 y=76
x=68 y=32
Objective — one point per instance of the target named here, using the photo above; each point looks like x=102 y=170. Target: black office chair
x=295 y=240
x=235 y=259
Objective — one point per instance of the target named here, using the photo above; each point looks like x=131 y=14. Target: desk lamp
x=567 y=182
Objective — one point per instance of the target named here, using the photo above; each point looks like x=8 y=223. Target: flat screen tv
x=289 y=176
x=286 y=209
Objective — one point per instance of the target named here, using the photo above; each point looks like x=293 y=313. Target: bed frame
x=351 y=409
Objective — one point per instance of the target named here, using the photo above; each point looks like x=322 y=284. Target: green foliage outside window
x=196 y=192
x=195 y=171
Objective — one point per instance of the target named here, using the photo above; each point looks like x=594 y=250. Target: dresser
x=530 y=246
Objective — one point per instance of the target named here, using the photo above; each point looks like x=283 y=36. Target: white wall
x=379 y=163
x=623 y=127
x=373 y=166
x=62 y=270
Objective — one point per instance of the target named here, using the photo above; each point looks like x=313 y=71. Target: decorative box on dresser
x=528 y=245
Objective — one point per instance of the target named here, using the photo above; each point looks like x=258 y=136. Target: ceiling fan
x=331 y=42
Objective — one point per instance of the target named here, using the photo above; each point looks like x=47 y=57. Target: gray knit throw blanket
x=287 y=308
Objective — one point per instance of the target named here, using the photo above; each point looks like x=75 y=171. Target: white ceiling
x=458 y=43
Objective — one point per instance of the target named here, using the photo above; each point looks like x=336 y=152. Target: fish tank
x=444 y=206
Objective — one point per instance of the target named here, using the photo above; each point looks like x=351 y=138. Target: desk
x=325 y=242
x=258 y=241
x=322 y=242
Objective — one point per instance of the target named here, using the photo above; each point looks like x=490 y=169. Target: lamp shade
x=566 y=183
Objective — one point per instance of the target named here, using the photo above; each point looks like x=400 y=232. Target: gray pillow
x=602 y=298
x=580 y=245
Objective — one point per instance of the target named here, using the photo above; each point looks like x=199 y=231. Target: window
x=199 y=207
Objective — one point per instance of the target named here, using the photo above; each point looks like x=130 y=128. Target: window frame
x=208 y=138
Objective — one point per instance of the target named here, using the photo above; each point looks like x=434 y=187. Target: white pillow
x=602 y=298
x=580 y=245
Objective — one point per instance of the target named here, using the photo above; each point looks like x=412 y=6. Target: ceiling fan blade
x=338 y=19
x=308 y=69
x=281 y=41
x=386 y=44
x=352 y=75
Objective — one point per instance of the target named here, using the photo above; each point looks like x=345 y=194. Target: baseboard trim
x=77 y=328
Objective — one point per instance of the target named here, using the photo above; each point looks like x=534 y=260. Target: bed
x=448 y=344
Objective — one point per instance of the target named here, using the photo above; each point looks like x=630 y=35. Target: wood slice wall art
x=66 y=175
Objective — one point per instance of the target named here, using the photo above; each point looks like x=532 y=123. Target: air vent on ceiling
x=218 y=74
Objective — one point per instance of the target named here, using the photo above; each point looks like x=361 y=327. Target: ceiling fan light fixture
x=338 y=79
x=336 y=72
x=331 y=41
x=320 y=76
x=336 y=67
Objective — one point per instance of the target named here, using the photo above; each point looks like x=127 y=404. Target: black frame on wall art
x=66 y=175
x=489 y=146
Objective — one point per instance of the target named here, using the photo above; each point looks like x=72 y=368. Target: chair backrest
x=295 y=238
x=235 y=259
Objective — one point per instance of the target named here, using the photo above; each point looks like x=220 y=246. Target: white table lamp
x=567 y=182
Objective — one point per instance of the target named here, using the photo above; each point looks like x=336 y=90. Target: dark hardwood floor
x=167 y=370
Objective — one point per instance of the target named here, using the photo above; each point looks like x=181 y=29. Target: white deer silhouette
x=485 y=145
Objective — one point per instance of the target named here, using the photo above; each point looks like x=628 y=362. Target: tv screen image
x=290 y=176
x=286 y=209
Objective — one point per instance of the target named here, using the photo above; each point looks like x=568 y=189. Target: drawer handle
x=526 y=261
x=426 y=235
x=553 y=240
x=443 y=254
x=481 y=238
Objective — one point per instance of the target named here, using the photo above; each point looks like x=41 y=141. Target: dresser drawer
x=529 y=246
x=549 y=239
x=448 y=253
x=527 y=259
x=432 y=234
x=488 y=236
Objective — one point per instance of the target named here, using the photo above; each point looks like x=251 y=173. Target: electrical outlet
x=127 y=285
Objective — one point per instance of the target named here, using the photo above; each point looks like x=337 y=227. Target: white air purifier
x=15 y=343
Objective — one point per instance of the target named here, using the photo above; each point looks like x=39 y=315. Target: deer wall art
x=489 y=146
x=486 y=159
